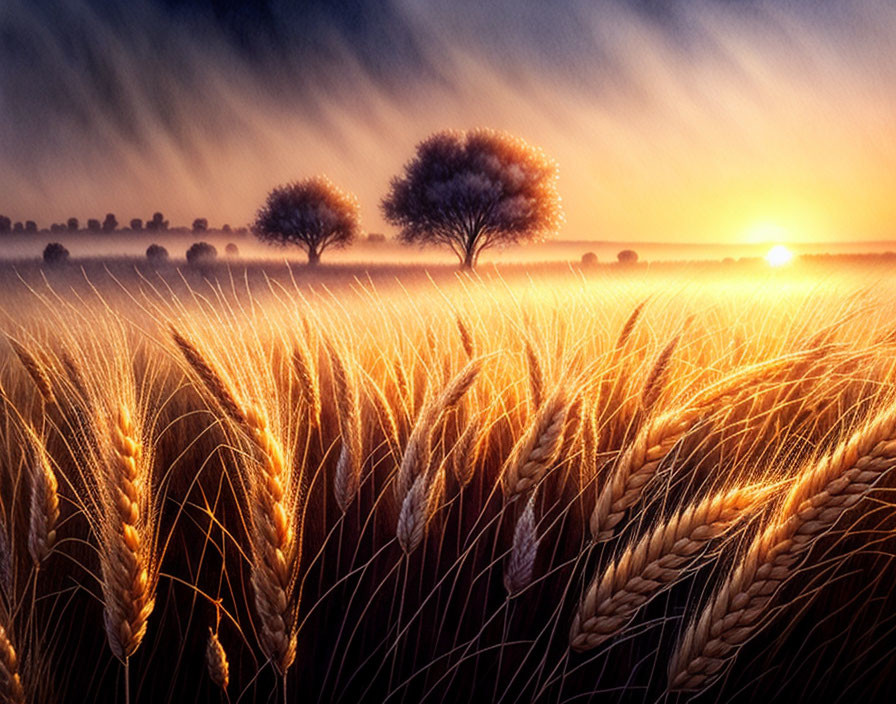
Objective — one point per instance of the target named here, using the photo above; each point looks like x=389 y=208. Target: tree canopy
x=473 y=190
x=313 y=214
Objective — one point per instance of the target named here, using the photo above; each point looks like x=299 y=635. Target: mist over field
x=684 y=122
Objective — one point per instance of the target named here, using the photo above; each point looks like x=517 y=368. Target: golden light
x=779 y=255
x=762 y=232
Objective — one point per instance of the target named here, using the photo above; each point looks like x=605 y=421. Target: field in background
x=85 y=245
x=408 y=484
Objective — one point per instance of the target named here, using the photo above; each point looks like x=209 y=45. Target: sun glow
x=779 y=255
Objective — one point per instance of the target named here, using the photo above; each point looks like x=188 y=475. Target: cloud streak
x=689 y=124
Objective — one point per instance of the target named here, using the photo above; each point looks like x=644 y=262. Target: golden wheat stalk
x=638 y=464
x=211 y=379
x=308 y=387
x=466 y=338
x=128 y=577
x=216 y=661
x=521 y=564
x=656 y=379
x=276 y=550
x=35 y=369
x=465 y=452
x=417 y=455
x=821 y=494
x=537 y=449
x=274 y=534
x=347 y=479
x=536 y=376
x=654 y=563
x=419 y=506
x=11 y=689
x=43 y=512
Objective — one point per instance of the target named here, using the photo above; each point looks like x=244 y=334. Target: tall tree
x=473 y=190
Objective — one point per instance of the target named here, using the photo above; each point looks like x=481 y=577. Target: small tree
x=72 y=224
x=18 y=227
x=136 y=224
x=93 y=225
x=5 y=224
x=201 y=254
x=231 y=250
x=589 y=259
x=627 y=256
x=313 y=214
x=110 y=223
x=225 y=228
x=473 y=190
x=30 y=226
x=55 y=253
x=158 y=223
x=156 y=253
x=200 y=225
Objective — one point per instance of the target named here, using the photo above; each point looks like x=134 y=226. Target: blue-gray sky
x=689 y=121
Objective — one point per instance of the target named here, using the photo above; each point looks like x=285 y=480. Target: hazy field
x=407 y=484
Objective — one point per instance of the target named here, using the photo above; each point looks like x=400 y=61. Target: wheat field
x=551 y=486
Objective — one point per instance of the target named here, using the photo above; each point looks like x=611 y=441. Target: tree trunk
x=469 y=259
x=313 y=257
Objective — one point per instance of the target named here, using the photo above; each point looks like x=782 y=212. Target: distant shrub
x=55 y=253
x=376 y=238
x=225 y=228
x=93 y=225
x=136 y=224
x=30 y=226
x=72 y=224
x=57 y=227
x=589 y=259
x=201 y=254
x=18 y=227
x=200 y=225
x=627 y=256
x=156 y=253
x=110 y=223
x=231 y=250
x=5 y=224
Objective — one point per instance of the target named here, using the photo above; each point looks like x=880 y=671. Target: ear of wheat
x=639 y=462
x=36 y=370
x=10 y=681
x=655 y=562
x=128 y=576
x=536 y=376
x=308 y=387
x=44 y=505
x=521 y=564
x=466 y=338
x=537 y=449
x=418 y=507
x=417 y=454
x=347 y=479
x=816 y=501
x=216 y=661
x=274 y=532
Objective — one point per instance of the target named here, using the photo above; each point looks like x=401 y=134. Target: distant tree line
x=110 y=224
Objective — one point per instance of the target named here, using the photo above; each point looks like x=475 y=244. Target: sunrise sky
x=713 y=121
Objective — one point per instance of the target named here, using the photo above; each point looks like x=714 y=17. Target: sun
x=779 y=255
